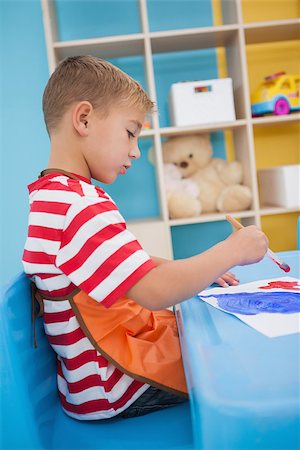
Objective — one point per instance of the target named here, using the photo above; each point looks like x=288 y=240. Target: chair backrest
x=28 y=379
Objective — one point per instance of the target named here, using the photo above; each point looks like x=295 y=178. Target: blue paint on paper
x=251 y=303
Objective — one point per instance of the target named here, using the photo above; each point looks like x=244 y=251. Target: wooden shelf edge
x=174 y=131
x=271 y=32
x=269 y=120
x=98 y=41
x=169 y=131
x=166 y=34
x=146 y=220
x=273 y=210
x=192 y=31
x=138 y=36
x=204 y=218
x=270 y=23
x=147 y=133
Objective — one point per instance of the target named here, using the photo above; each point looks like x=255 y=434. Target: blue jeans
x=152 y=399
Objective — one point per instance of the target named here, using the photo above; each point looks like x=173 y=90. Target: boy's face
x=112 y=142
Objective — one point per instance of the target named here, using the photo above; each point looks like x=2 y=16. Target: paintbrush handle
x=237 y=225
x=273 y=256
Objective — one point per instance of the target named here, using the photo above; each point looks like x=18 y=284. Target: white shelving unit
x=233 y=35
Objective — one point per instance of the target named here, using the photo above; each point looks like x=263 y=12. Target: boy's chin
x=108 y=180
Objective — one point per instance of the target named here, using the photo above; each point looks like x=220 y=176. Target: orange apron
x=141 y=343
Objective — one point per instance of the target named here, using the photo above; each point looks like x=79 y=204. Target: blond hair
x=87 y=78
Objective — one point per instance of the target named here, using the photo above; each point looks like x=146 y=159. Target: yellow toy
x=278 y=94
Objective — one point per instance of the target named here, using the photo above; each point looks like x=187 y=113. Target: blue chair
x=32 y=417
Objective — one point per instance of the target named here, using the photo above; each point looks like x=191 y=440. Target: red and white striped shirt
x=78 y=238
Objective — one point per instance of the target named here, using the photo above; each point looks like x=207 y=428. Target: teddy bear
x=182 y=194
x=219 y=182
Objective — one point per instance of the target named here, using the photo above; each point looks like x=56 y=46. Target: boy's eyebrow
x=136 y=122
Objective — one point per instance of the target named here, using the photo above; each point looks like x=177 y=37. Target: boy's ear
x=81 y=115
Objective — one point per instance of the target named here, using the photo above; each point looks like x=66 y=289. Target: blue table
x=244 y=387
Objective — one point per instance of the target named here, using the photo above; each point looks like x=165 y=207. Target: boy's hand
x=227 y=279
x=248 y=245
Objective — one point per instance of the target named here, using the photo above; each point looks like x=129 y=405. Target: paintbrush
x=283 y=266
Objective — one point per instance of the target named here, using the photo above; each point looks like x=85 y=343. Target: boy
x=102 y=297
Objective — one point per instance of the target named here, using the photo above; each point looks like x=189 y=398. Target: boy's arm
x=227 y=278
x=175 y=281
x=158 y=260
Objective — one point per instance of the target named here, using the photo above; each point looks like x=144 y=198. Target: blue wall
x=24 y=70
x=24 y=142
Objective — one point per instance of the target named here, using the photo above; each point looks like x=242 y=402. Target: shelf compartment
x=281 y=229
x=269 y=58
x=265 y=10
x=272 y=31
x=179 y=14
x=191 y=39
x=108 y=47
x=91 y=19
x=276 y=145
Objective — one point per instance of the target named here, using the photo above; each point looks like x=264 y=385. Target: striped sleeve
x=97 y=252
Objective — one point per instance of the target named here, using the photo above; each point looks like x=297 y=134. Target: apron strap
x=63 y=172
x=36 y=299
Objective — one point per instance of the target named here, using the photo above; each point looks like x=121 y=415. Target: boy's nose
x=135 y=152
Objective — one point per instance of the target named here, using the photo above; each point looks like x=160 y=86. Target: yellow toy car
x=278 y=94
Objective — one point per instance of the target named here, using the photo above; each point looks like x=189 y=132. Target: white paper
x=269 y=324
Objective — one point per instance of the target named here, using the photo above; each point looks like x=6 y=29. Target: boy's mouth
x=124 y=169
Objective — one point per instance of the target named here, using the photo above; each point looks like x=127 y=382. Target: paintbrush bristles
x=283 y=266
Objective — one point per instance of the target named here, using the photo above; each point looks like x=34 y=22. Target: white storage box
x=280 y=186
x=201 y=102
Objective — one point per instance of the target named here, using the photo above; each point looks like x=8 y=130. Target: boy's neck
x=64 y=155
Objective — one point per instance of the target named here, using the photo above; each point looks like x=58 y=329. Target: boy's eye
x=130 y=134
